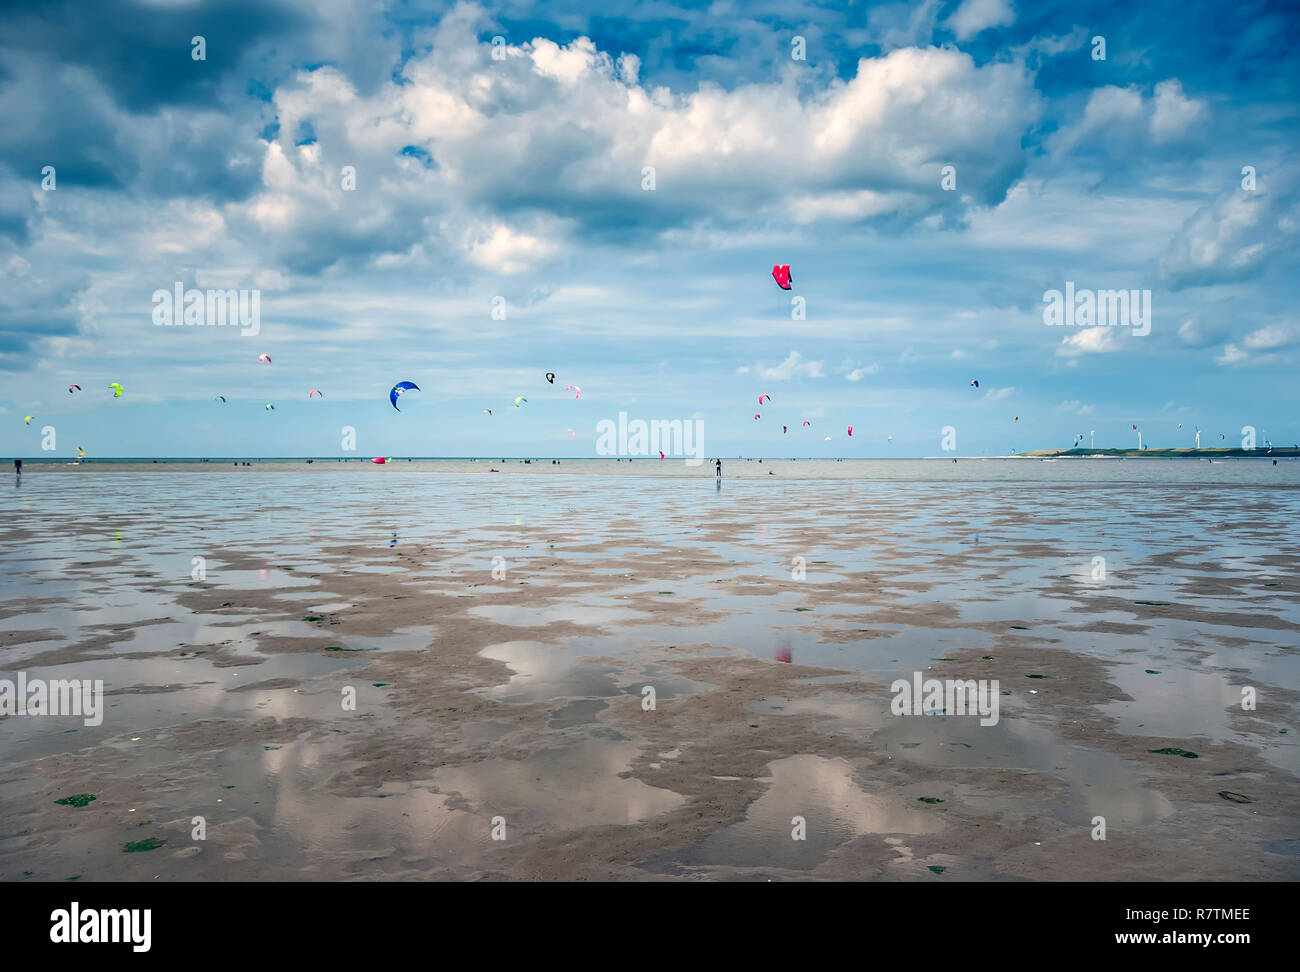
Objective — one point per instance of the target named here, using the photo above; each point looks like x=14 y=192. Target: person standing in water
x=18 y=466
x=719 y=468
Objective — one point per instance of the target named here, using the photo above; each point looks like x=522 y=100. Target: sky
x=470 y=195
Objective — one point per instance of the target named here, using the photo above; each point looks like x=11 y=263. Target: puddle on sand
x=1099 y=782
x=542 y=671
x=820 y=790
x=560 y=789
x=1180 y=703
x=536 y=617
x=402 y=639
x=141 y=694
x=579 y=712
x=268 y=814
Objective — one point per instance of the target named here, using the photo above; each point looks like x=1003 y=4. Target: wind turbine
x=1139 y=432
x=1198 y=437
x=1092 y=438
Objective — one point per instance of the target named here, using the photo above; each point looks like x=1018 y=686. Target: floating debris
x=148 y=844
x=1174 y=751
x=938 y=869
x=79 y=800
x=929 y=800
x=1235 y=797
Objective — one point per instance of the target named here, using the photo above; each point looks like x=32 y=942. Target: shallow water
x=902 y=567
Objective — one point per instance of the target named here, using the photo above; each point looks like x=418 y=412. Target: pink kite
x=781 y=274
x=762 y=397
x=850 y=431
x=264 y=357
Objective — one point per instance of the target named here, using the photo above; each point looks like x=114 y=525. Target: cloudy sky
x=499 y=153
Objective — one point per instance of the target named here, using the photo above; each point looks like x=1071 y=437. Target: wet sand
x=514 y=701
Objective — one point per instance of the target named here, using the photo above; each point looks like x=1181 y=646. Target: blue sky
x=521 y=177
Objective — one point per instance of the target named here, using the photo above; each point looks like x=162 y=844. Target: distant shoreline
x=219 y=461
x=1258 y=453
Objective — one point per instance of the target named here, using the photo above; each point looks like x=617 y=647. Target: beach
x=594 y=670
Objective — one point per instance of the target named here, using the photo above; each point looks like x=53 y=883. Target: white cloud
x=1174 y=116
x=1233 y=237
x=792 y=367
x=857 y=374
x=998 y=394
x=1074 y=406
x=1088 y=340
x=1232 y=355
x=974 y=16
x=1190 y=332
x=1270 y=338
x=502 y=250
x=1118 y=121
x=565 y=129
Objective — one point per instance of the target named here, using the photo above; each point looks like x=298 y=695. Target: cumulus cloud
x=1088 y=340
x=1235 y=237
x=1270 y=338
x=974 y=16
x=1119 y=121
x=566 y=130
x=857 y=374
x=998 y=394
x=1174 y=116
x=1190 y=332
x=1074 y=406
x=794 y=366
x=1259 y=346
x=1232 y=355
